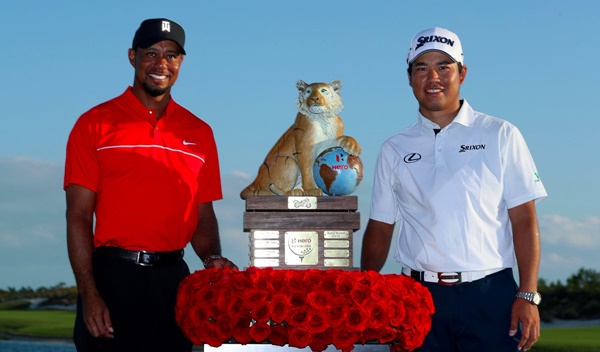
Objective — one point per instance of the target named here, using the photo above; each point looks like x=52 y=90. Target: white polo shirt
x=450 y=193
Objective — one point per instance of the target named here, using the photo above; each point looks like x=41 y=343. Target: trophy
x=298 y=209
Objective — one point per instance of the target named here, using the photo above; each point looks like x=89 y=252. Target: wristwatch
x=532 y=297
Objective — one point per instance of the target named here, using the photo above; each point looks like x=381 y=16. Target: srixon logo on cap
x=166 y=26
x=433 y=39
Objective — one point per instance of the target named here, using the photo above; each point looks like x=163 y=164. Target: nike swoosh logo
x=188 y=143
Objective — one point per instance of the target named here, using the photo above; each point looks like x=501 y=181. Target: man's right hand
x=97 y=317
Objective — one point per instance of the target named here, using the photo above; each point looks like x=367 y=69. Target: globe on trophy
x=337 y=172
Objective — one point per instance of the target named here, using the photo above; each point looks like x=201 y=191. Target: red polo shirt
x=149 y=176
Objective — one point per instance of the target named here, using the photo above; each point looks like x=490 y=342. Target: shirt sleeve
x=81 y=164
x=384 y=206
x=209 y=179
x=522 y=182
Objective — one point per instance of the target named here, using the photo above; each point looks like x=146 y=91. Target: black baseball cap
x=154 y=30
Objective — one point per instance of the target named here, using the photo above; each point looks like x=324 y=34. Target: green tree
x=584 y=279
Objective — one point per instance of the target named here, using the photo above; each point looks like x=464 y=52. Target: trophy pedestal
x=302 y=232
x=272 y=348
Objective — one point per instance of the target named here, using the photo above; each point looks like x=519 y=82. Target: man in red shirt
x=141 y=174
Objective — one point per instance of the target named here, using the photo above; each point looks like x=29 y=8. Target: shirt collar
x=465 y=117
x=134 y=103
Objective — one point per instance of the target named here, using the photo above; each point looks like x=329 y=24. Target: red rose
x=199 y=278
x=380 y=291
x=240 y=281
x=299 y=337
x=280 y=307
x=396 y=285
x=425 y=296
x=298 y=316
x=328 y=281
x=207 y=296
x=278 y=282
x=317 y=322
x=386 y=334
x=378 y=315
x=199 y=315
x=396 y=347
x=279 y=335
x=357 y=318
x=396 y=313
x=260 y=331
x=260 y=278
x=322 y=340
x=209 y=335
x=312 y=278
x=337 y=312
x=295 y=279
x=224 y=298
x=344 y=339
x=254 y=296
x=241 y=329
x=235 y=306
x=372 y=275
x=419 y=318
x=344 y=284
x=216 y=274
x=370 y=334
x=224 y=327
x=412 y=300
x=261 y=312
x=360 y=293
x=410 y=339
x=319 y=299
x=298 y=298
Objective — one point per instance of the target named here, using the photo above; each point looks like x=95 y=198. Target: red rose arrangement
x=301 y=308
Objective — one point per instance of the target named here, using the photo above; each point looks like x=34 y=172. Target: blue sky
x=530 y=62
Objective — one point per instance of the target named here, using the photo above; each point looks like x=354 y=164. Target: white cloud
x=559 y=230
x=32 y=226
x=568 y=245
x=31 y=203
x=242 y=175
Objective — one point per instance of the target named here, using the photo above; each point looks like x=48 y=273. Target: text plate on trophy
x=301 y=248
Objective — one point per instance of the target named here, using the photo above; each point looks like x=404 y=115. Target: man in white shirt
x=462 y=186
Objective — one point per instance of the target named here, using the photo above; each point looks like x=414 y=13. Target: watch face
x=537 y=298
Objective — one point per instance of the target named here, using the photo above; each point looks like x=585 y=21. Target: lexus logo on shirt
x=412 y=158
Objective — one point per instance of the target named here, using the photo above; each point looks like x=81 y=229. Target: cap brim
x=150 y=42
x=430 y=50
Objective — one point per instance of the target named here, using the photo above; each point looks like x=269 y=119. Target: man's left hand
x=221 y=263
x=529 y=317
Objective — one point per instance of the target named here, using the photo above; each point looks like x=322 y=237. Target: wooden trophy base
x=302 y=232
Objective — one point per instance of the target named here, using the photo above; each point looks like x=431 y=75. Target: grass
x=14 y=305
x=575 y=339
x=37 y=323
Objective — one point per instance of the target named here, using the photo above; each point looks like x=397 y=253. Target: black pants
x=473 y=316
x=141 y=301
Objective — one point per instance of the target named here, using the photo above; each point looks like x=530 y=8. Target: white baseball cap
x=438 y=39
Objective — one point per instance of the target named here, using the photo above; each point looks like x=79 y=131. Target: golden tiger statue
x=288 y=168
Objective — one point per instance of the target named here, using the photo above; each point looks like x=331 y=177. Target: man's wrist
x=533 y=297
x=210 y=258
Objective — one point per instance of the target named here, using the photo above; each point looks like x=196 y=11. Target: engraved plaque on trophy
x=301 y=232
x=301 y=248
